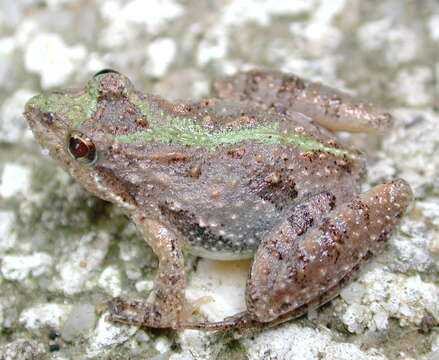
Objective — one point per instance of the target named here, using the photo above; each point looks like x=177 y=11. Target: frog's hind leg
x=169 y=303
x=287 y=94
x=292 y=274
x=310 y=256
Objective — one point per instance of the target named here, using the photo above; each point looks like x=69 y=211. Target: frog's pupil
x=78 y=147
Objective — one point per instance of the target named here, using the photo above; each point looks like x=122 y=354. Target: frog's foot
x=241 y=320
x=242 y=323
x=141 y=314
x=137 y=313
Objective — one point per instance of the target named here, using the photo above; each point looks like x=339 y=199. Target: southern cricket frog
x=253 y=171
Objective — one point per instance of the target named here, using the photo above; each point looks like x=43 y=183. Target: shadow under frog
x=254 y=171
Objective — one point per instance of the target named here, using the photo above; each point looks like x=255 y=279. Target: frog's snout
x=39 y=118
x=31 y=112
x=43 y=124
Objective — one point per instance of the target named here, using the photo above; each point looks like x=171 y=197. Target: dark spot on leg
x=301 y=220
x=304 y=216
x=277 y=189
x=331 y=200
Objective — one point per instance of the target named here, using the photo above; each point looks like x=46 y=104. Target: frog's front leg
x=300 y=265
x=288 y=93
x=169 y=301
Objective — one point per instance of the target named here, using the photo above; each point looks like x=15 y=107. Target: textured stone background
x=64 y=252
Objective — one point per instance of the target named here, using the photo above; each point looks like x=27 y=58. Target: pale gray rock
x=80 y=320
x=22 y=350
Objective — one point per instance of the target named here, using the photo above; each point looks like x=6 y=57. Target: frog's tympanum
x=253 y=171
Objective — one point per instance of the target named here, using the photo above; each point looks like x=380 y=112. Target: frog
x=253 y=171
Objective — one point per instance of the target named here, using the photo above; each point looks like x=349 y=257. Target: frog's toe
x=239 y=320
x=133 y=313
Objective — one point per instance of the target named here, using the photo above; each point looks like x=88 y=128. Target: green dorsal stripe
x=186 y=132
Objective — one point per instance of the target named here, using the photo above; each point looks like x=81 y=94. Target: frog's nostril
x=48 y=118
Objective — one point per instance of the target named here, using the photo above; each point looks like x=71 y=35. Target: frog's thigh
x=290 y=274
x=169 y=300
x=287 y=93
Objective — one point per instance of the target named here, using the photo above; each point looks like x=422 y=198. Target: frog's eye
x=105 y=71
x=82 y=149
